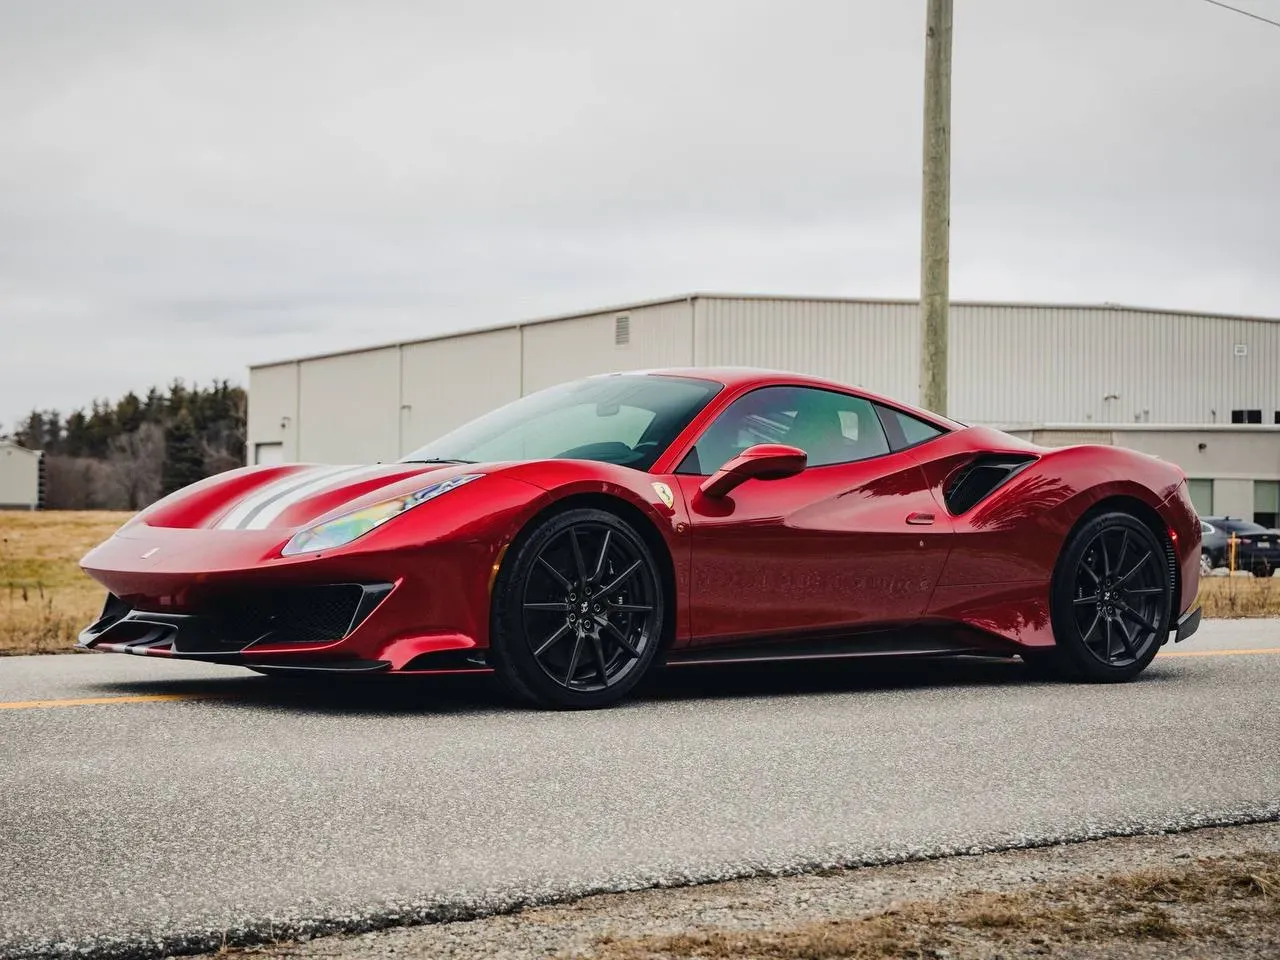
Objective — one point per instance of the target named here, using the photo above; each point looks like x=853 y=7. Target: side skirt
x=918 y=642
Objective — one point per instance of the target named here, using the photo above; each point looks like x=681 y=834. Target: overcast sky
x=190 y=187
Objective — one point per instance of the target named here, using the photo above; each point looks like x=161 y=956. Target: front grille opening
x=980 y=477
x=294 y=615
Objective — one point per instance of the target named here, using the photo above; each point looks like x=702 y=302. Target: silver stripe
x=289 y=495
x=281 y=504
x=250 y=503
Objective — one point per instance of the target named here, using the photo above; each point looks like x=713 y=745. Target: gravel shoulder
x=1205 y=893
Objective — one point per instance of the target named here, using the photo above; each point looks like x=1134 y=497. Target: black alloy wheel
x=578 y=612
x=1112 y=600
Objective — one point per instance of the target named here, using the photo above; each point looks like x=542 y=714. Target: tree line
x=127 y=454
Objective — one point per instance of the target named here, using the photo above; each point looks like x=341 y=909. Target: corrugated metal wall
x=1010 y=364
x=445 y=383
x=273 y=411
x=866 y=344
x=660 y=335
x=348 y=407
x=1076 y=364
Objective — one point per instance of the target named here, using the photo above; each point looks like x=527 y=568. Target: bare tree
x=134 y=462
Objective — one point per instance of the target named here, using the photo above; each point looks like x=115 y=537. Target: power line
x=1243 y=13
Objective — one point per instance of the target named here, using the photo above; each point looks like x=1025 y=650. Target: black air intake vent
x=980 y=477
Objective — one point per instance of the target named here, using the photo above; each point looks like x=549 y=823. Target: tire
x=578 y=612
x=1111 y=601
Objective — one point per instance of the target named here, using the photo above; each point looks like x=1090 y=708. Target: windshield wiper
x=439 y=460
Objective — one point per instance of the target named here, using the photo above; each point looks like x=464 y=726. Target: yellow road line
x=95 y=701
x=1218 y=653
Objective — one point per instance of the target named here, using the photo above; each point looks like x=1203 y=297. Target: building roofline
x=1090 y=426
x=690 y=297
x=21 y=449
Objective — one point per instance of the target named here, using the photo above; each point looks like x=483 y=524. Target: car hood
x=291 y=496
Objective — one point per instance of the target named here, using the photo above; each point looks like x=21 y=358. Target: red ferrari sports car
x=578 y=537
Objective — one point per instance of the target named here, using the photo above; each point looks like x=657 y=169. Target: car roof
x=1231 y=521
x=738 y=377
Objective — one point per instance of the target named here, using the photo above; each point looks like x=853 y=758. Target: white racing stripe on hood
x=278 y=506
x=245 y=508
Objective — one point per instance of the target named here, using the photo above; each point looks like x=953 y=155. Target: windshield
x=627 y=419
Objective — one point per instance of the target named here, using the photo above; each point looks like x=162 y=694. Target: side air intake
x=982 y=476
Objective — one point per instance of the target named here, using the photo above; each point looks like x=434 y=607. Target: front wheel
x=577 y=611
x=1112 y=600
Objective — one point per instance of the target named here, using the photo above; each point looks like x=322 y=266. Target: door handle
x=919 y=518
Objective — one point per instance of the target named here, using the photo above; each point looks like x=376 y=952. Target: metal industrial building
x=21 y=477
x=1201 y=390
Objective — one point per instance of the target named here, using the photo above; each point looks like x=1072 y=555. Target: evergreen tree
x=129 y=412
x=76 y=442
x=183 y=460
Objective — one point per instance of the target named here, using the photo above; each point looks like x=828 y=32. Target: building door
x=1201 y=492
x=1266 y=502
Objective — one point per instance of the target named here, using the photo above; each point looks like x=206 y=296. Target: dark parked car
x=1257 y=548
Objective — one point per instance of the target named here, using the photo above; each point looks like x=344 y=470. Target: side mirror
x=764 y=461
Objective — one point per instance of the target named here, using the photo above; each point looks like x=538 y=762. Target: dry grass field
x=45 y=600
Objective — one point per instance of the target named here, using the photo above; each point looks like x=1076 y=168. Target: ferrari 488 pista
x=581 y=537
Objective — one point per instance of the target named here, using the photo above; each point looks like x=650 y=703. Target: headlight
x=352 y=526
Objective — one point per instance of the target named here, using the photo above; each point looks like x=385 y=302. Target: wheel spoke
x=1078 y=600
x=601 y=664
x=578 y=562
x=1141 y=563
x=559 y=632
x=559 y=606
x=1093 y=626
x=559 y=577
x=573 y=661
x=1143 y=591
x=622 y=639
x=1106 y=560
x=604 y=555
x=1126 y=639
x=619 y=580
x=1089 y=570
x=631 y=607
x=1132 y=614
x=1107 y=654
x=1124 y=545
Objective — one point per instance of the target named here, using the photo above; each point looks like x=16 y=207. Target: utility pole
x=935 y=234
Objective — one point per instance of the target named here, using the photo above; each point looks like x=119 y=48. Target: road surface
x=152 y=807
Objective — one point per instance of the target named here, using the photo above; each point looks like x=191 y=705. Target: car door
x=854 y=540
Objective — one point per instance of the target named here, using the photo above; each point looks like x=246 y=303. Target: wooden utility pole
x=935 y=234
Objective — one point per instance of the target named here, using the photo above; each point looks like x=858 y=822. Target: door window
x=830 y=427
x=905 y=430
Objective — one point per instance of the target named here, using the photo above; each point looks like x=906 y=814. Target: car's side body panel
x=831 y=547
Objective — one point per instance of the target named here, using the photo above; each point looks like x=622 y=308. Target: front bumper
x=298 y=619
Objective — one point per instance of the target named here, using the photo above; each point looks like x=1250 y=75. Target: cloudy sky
x=190 y=187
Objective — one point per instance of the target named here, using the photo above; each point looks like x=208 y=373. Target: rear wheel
x=1111 y=603
x=577 y=612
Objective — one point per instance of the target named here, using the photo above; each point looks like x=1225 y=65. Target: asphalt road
x=246 y=807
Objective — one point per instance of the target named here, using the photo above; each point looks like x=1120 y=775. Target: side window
x=830 y=427
x=906 y=430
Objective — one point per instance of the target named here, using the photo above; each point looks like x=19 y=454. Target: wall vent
x=621 y=331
